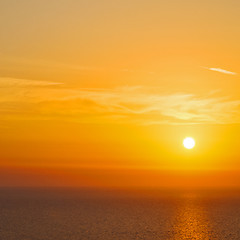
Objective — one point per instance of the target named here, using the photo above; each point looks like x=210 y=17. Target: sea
x=116 y=214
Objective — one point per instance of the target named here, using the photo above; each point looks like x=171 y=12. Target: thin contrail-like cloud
x=221 y=70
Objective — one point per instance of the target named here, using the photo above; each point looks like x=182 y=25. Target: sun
x=188 y=142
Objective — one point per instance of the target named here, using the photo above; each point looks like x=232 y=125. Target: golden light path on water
x=191 y=220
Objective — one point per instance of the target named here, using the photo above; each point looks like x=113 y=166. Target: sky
x=102 y=93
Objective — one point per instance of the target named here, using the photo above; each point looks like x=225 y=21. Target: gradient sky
x=102 y=93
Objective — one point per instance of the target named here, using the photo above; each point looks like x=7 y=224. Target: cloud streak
x=15 y=82
x=220 y=70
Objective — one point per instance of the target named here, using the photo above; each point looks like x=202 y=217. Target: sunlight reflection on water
x=191 y=220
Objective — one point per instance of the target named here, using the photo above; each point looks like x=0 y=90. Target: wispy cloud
x=145 y=108
x=15 y=82
x=221 y=70
x=134 y=104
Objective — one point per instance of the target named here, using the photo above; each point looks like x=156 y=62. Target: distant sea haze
x=79 y=214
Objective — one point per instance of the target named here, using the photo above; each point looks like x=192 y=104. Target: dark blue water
x=64 y=214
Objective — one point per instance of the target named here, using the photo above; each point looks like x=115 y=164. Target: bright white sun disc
x=188 y=143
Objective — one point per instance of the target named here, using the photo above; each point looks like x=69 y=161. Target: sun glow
x=189 y=143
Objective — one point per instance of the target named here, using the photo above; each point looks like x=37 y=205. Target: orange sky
x=102 y=93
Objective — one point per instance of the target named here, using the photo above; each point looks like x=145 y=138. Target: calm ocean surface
x=61 y=214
